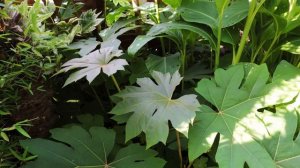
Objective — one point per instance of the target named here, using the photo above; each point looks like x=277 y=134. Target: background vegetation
x=171 y=83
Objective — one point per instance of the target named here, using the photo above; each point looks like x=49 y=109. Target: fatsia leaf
x=282 y=128
x=76 y=147
x=93 y=63
x=237 y=94
x=86 y=45
x=152 y=106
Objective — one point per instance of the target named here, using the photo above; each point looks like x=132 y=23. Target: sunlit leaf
x=282 y=144
x=292 y=46
x=4 y=136
x=152 y=106
x=237 y=94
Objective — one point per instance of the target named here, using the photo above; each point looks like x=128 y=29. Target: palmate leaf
x=152 y=106
x=76 y=147
x=94 y=63
x=237 y=94
x=281 y=144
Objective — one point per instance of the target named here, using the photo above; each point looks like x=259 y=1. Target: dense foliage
x=171 y=83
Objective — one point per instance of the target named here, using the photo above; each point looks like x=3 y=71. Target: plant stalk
x=158 y=22
x=190 y=164
x=183 y=62
x=267 y=54
x=219 y=35
x=251 y=15
x=157 y=11
x=179 y=148
x=116 y=83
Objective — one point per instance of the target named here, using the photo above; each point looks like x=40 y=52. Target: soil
x=39 y=108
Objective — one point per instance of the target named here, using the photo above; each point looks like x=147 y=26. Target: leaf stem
x=157 y=11
x=190 y=164
x=268 y=53
x=219 y=35
x=116 y=83
x=253 y=9
x=183 y=62
x=158 y=22
x=179 y=148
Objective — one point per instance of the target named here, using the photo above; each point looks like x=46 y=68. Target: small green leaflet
x=94 y=63
x=237 y=94
x=152 y=106
x=89 y=20
x=76 y=147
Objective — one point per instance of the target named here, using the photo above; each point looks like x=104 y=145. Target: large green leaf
x=162 y=28
x=168 y=64
x=199 y=11
x=138 y=43
x=152 y=106
x=237 y=94
x=282 y=127
x=208 y=12
x=75 y=147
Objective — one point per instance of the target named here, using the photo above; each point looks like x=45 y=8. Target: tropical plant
x=153 y=107
x=238 y=94
x=93 y=148
x=189 y=84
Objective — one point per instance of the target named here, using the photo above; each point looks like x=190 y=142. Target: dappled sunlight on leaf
x=237 y=119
